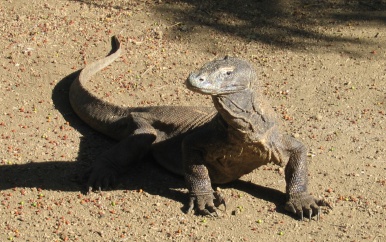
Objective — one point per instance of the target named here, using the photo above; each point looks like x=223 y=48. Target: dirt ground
x=322 y=65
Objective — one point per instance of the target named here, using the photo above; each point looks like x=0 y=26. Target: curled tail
x=98 y=65
x=101 y=115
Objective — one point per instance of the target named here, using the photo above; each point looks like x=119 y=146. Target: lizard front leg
x=202 y=197
x=299 y=201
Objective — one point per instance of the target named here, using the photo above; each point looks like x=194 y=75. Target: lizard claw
x=219 y=199
x=101 y=177
x=206 y=204
x=203 y=204
x=304 y=204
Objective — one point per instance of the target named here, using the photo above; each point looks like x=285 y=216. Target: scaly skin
x=206 y=145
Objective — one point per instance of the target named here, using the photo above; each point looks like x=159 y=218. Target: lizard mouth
x=198 y=89
x=210 y=90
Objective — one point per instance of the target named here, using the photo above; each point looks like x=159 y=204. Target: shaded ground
x=321 y=64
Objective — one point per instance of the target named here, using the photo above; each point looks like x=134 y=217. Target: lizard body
x=204 y=144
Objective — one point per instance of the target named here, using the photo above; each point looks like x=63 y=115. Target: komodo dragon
x=205 y=144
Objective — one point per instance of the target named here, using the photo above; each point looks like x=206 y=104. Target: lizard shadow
x=156 y=180
x=48 y=175
x=261 y=192
x=147 y=176
x=51 y=175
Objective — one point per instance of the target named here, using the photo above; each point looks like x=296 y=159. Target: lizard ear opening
x=226 y=57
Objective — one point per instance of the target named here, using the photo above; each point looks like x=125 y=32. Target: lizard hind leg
x=106 y=170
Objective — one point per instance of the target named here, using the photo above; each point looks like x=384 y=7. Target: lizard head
x=223 y=76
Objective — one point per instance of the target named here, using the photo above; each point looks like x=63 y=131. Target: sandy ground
x=321 y=65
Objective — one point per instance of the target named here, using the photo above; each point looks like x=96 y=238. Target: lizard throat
x=241 y=113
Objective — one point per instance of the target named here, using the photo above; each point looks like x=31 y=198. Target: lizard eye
x=226 y=71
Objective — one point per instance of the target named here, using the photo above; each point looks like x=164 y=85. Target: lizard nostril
x=201 y=79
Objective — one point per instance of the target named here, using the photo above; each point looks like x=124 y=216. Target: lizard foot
x=206 y=204
x=305 y=204
x=101 y=177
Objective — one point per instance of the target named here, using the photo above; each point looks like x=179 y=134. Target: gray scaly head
x=228 y=81
x=223 y=76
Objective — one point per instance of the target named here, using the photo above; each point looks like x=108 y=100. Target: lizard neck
x=243 y=113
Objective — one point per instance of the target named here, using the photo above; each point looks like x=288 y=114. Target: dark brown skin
x=206 y=145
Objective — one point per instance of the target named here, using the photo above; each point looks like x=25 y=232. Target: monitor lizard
x=206 y=145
